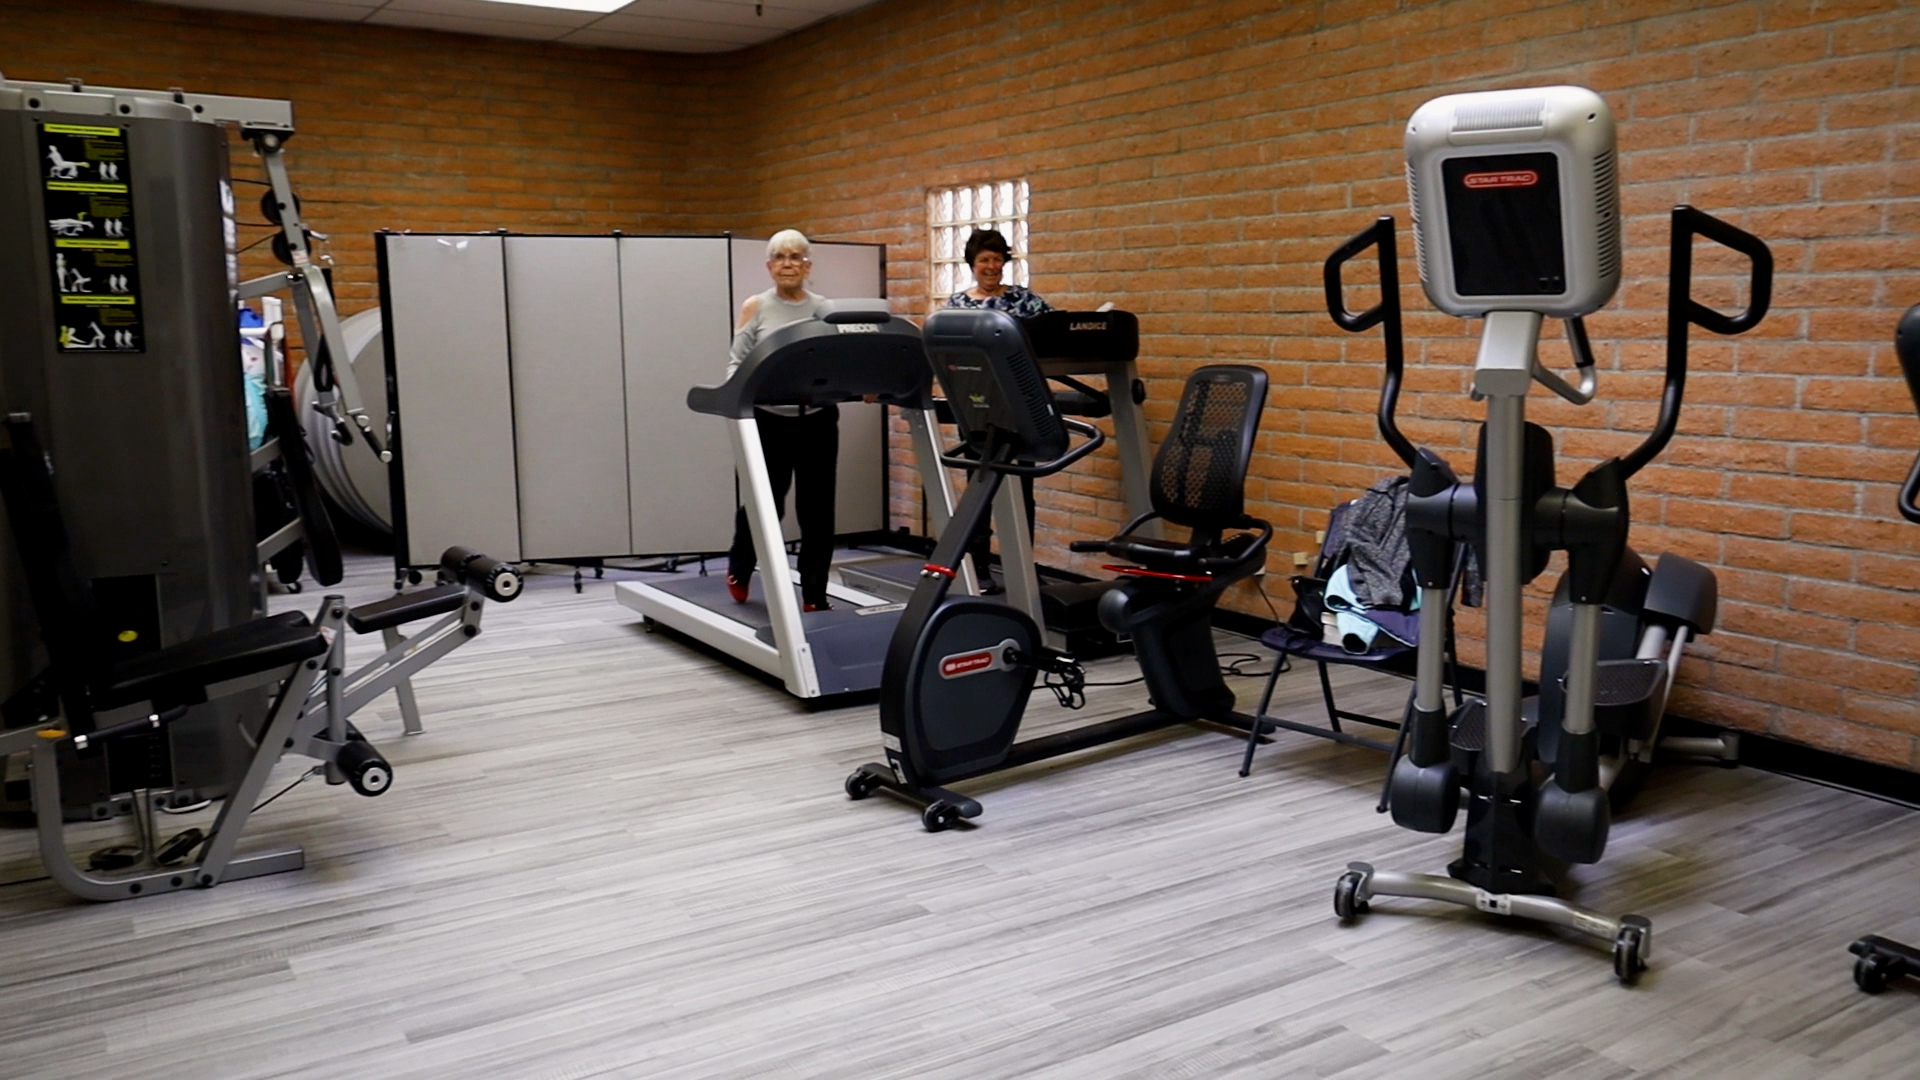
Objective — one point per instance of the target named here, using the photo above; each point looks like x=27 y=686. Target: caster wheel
x=1870 y=973
x=647 y=625
x=413 y=577
x=939 y=816
x=859 y=784
x=293 y=586
x=1346 y=898
x=1629 y=954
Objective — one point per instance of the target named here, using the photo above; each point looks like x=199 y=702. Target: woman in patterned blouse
x=987 y=255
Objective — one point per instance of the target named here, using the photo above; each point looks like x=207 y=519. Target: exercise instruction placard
x=86 y=181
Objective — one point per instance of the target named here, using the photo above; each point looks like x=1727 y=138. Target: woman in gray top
x=801 y=443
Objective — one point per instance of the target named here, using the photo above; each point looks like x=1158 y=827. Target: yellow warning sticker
x=81 y=129
x=81 y=185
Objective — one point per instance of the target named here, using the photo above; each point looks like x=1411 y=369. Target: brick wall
x=406 y=129
x=1194 y=162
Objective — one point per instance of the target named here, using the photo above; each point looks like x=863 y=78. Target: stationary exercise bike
x=1516 y=214
x=1881 y=960
x=960 y=670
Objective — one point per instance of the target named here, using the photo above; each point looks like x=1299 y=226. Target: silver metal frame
x=308 y=717
x=1129 y=436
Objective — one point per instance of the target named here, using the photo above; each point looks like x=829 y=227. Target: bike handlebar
x=1092 y=439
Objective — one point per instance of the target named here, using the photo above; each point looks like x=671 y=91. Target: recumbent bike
x=959 y=670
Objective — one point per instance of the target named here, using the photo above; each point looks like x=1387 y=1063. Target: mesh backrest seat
x=1200 y=471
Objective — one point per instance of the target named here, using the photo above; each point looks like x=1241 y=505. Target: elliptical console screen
x=1503 y=219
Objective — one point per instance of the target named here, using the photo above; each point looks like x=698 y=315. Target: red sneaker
x=824 y=605
x=737 y=589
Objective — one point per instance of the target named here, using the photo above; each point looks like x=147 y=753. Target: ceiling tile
x=459 y=24
x=657 y=25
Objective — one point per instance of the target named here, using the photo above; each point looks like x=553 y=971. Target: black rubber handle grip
x=1379 y=235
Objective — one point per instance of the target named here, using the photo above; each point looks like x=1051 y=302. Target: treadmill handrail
x=846 y=353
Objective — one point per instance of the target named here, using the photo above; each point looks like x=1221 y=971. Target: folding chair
x=1293 y=639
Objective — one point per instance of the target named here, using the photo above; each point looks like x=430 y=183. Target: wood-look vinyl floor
x=611 y=856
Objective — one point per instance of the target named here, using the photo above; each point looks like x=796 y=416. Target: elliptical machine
x=1516 y=218
x=1882 y=960
x=959 y=670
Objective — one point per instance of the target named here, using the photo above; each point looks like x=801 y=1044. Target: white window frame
x=952 y=215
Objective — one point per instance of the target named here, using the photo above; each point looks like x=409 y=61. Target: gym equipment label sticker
x=1517 y=178
x=974 y=661
x=86 y=184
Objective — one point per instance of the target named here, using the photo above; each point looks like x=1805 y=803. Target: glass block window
x=953 y=214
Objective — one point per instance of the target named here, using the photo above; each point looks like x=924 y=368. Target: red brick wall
x=407 y=129
x=1194 y=162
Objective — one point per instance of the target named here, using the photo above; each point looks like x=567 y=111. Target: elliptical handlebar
x=1906 y=345
x=1684 y=311
x=1378 y=235
x=1092 y=438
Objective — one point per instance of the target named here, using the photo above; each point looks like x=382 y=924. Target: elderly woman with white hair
x=801 y=443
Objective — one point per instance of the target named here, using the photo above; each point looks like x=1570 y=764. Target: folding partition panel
x=454 y=476
x=541 y=392
x=569 y=395
x=679 y=319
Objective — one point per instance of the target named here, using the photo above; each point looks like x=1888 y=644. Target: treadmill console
x=1071 y=340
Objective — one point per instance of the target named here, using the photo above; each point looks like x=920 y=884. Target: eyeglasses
x=798 y=260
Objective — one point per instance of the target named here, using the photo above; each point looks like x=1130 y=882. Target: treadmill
x=1071 y=347
x=851 y=351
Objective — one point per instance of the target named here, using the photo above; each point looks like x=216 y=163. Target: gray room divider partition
x=539 y=392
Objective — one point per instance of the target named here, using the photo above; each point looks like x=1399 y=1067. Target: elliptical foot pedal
x=1469 y=727
x=1623 y=695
